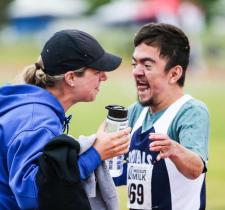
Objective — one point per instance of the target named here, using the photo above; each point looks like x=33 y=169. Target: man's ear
x=69 y=78
x=175 y=74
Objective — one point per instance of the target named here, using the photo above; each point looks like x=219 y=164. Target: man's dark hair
x=170 y=40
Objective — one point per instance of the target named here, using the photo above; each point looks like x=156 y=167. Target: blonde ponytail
x=35 y=75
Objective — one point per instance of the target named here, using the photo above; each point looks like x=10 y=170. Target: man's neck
x=167 y=100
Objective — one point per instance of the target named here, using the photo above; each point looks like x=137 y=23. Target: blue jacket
x=29 y=118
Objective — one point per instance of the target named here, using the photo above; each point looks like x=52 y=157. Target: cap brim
x=107 y=62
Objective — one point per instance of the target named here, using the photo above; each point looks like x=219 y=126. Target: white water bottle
x=116 y=120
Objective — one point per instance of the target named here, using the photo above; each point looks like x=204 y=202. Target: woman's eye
x=133 y=65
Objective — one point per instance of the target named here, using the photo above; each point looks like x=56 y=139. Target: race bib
x=139 y=186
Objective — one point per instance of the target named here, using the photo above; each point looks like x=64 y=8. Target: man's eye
x=147 y=67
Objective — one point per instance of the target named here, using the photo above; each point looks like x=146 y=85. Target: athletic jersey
x=158 y=184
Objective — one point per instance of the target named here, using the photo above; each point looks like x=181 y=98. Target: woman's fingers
x=121 y=133
x=112 y=144
x=121 y=146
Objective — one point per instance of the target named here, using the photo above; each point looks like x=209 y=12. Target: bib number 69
x=136 y=193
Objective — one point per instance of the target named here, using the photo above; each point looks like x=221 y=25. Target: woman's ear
x=70 y=78
x=175 y=74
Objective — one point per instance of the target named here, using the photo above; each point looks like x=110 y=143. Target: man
x=167 y=158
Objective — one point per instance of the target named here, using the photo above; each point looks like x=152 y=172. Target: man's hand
x=162 y=144
x=187 y=162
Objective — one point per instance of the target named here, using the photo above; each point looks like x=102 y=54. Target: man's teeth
x=143 y=87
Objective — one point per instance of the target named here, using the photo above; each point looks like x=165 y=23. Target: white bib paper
x=139 y=190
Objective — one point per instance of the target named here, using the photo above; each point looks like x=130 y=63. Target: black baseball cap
x=73 y=49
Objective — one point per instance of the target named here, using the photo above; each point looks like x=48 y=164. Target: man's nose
x=138 y=70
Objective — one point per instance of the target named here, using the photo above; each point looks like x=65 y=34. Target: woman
x=70 y=69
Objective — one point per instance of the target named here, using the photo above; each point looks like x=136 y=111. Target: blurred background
x=25 y=25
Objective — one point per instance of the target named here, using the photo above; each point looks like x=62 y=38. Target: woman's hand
x=111 y=145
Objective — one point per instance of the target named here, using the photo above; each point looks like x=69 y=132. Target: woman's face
x=88 y=85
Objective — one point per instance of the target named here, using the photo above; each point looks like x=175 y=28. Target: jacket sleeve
x=88 y=162
x=22 y=157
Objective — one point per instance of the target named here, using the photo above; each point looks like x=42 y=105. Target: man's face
x=148 y=71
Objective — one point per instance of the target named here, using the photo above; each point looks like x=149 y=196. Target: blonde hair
x=35 y=75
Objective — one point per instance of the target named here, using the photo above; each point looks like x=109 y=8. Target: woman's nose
x=103 y=76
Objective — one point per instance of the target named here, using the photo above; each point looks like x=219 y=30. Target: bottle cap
x=117 y=112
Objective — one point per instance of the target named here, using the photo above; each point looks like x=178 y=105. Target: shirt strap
x=163 y=123
x=140 y=119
